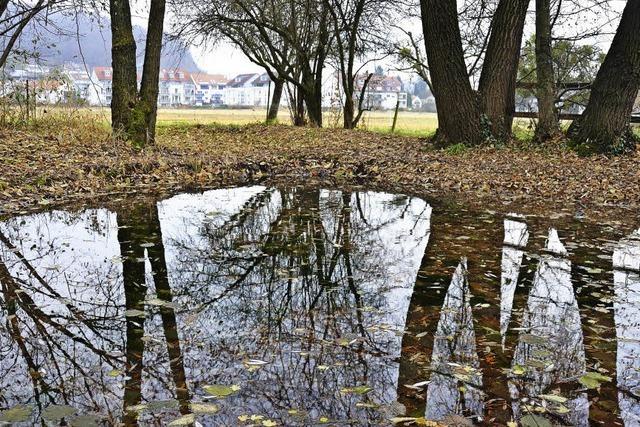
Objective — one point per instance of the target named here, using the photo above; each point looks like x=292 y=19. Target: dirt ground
x=77 y=161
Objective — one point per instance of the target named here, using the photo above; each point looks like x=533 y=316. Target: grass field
x=409 y=123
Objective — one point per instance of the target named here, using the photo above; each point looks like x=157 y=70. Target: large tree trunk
x=276 y=96
x=123 y=60
x=499 y=73
x=312 y=97
x=548 y=125
x=144 y=130
x=604 y=126
x=458 y=110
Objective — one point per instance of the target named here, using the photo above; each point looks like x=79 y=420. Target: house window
x=171 y=75
x=181 y=75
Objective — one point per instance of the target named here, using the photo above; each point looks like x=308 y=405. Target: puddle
x=283 y=306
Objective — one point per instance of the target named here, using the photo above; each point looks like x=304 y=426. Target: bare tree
x=289 y=39
x=134 y=112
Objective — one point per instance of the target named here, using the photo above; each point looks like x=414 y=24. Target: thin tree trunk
x=348 y=111
x=276 y=96
x=458 y=110
x=604 y=126
x=147 y=106
x=548 y=125
x=499 y=73
x=123 y=59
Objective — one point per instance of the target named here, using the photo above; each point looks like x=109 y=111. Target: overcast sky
x=228 y=60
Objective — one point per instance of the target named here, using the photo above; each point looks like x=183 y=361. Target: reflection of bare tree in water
x=140 y=238
x=316 y=284
x=311 y=299
x=50 y=338
x=550 y=349
x=456 y=381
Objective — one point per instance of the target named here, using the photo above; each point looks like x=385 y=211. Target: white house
x=176 y=88
x=86 y=85
x=209 y=88
x=382 y=92
x=104 y=77
x=247 y=90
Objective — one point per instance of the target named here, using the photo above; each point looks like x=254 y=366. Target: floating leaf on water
x=553 y=398
x=219 y=390
x=534 y=421
x=58 y=412
x=269 y=423
x=204 y=408
x=185 y=420
x=518 y=370
x=400 y=420
x=134 y=313
x=158 y=405
x=17 y=414
x=323 y=419
x=362 y=389
x=243 y=418
x=369 y=405
x=85 y=421
x=114 y=373
x=256 y=417
x=533 y=339
x=322 y=367
x=593 y=380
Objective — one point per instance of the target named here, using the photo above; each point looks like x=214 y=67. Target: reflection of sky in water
x=516 y=236
x=456 y=382
x=550 y=347
x=626 y=305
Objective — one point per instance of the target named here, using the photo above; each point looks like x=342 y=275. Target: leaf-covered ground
x=58 y=163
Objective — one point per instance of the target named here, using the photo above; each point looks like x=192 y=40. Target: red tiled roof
x=175 y=75
x=103 y=73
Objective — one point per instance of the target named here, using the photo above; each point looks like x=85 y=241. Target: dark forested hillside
x=89 y=40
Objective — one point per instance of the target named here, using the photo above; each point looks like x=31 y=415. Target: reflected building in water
x=626 y=306
x=550 y=347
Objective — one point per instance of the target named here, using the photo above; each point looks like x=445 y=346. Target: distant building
x=209 y=89
x=247 y=90
x=176 y=88
x=104 y=76
x=382 y=92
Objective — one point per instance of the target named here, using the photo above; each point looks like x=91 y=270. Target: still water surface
x=284 y=306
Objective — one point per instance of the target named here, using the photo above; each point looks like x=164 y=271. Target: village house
x=247 y=90
x=104 y=76
x=382 y=92
x=209 y=89
x=176 y=89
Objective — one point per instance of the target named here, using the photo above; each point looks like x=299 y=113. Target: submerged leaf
x=204 y=408
x=534 y=421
